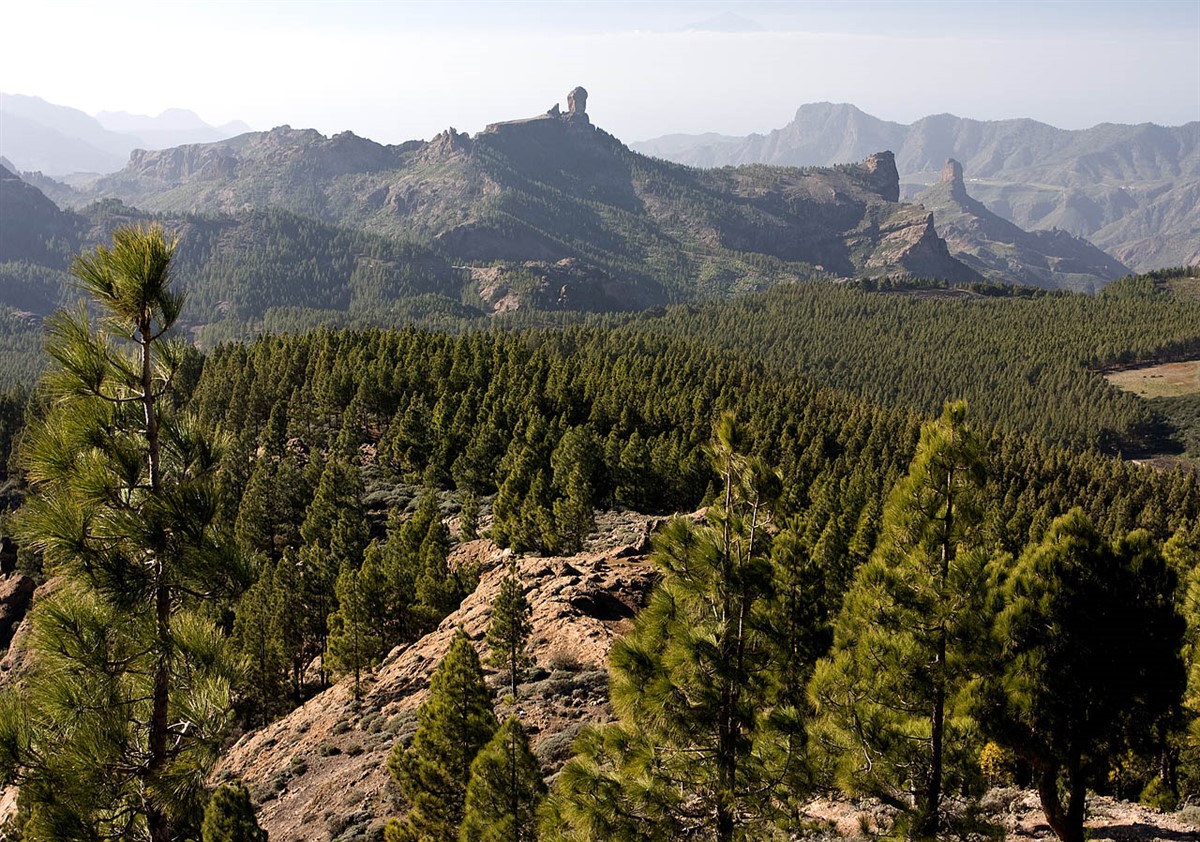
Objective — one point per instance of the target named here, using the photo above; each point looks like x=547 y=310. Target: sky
x=395 y=71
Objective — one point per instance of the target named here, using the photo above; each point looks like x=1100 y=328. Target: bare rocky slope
x=320 y=773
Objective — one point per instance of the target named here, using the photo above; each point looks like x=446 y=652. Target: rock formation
x=952 y=174
x=320 y=773
x=16 y=594
x=1001 y=251
x=577 y=101
x=881 y=170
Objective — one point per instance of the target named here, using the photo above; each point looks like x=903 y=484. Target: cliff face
x=321 y=771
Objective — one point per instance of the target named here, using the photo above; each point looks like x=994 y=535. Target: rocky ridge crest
x=321 y=771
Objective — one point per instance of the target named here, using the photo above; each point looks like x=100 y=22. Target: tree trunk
x=929 y=821
x=1067 y=824
x=157 y=822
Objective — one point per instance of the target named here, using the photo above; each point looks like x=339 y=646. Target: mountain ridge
x=59 y=140
x=1096 y=182
x=554 y=187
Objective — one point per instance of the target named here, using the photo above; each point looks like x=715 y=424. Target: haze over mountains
x=38 y=136
x=1134 y=191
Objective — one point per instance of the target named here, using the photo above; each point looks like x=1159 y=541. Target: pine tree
x=337 y=497
x=574 y=462
x=230 y=816
x=288 y=610
x=353 y=641
x=689 y=684
x=905 y=635
x=453 y=724
x=130 y=689
x=505 y=791
x=508 y=631
x=1088 y=661
x=257 y=636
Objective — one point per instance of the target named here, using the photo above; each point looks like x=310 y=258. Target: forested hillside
x=1026 y=360
x=555 y=423
x=875 y=567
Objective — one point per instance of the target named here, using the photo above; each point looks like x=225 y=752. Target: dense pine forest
x=923 y=568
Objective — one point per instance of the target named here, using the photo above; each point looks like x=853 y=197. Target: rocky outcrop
x=1001 y=251
x=321 y=772
x=576 y=115
x=577 y=101
x=16 y=595
x=883 y=176
x=8 y=555
x=952 y=177
x=449 y=142
x=566 y=284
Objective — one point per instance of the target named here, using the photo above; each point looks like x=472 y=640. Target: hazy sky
x=394 y=71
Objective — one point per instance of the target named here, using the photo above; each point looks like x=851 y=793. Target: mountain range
x=1132 y=190
x=38 y=136
x=288 y=228
x=548 y=212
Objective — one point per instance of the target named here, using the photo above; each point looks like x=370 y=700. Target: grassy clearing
x=1169 y=380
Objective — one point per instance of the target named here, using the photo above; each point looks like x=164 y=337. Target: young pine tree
x=258 y=638
x=508 y=631
x=505 y=791
x=689 y=684
x=130 y=690
x=230 y=816
x=353 y=638
x=453 y=724
x=904 y=639
x=1088 y=661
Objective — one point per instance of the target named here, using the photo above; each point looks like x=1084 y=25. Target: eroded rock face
x=884 y=177
x=16 y=594
x=577 y=101
x=320 y=773
x=952 y=174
